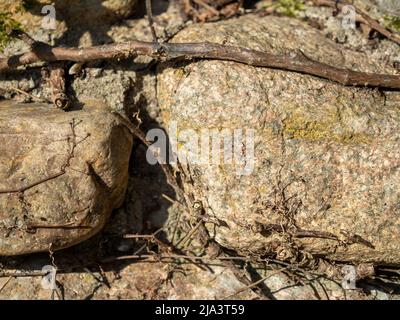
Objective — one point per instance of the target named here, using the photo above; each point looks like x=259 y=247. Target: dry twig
x=150 y=18
x=167 y=51
x=34 y=98
x=255 y=283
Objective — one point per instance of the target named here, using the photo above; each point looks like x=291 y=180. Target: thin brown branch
x=149 y=11
x=157 y=257
x=211 y=10
x=297 y=63
x=33 y=184
x=32 y=226
x=207 y=6
x=266 y=229
x=23 y=273
x=19 y=34
x=5 y=283
x=142 y=257
x=219 y=3
x=255 y=283
x=138 y=133
x=137 y=236
x=189 y=235
x=34 y=98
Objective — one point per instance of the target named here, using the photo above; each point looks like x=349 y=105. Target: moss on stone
x=8 y=24
x=392 y=22
x=299 y=127
x=290 y=8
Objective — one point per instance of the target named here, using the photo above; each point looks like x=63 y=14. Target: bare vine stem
x=297 y=62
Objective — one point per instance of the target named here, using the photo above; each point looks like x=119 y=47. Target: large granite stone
x=326 y=157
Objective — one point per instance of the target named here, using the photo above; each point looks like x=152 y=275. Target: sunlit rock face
x=325 y=173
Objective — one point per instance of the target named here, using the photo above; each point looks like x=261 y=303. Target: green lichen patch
x=7 y=24
x=392 y=23
x=290 y=8
x=299 y=127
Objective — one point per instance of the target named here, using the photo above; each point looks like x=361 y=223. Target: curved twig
x=167 y=51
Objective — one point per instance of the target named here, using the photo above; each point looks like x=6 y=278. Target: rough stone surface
x=382 y=50
x=35 y=144
x=332 y=149
x=78 y=22
x=148 y=281
x=145 y=209
x=118 y=84
x=388 y=6
x=97 y=11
